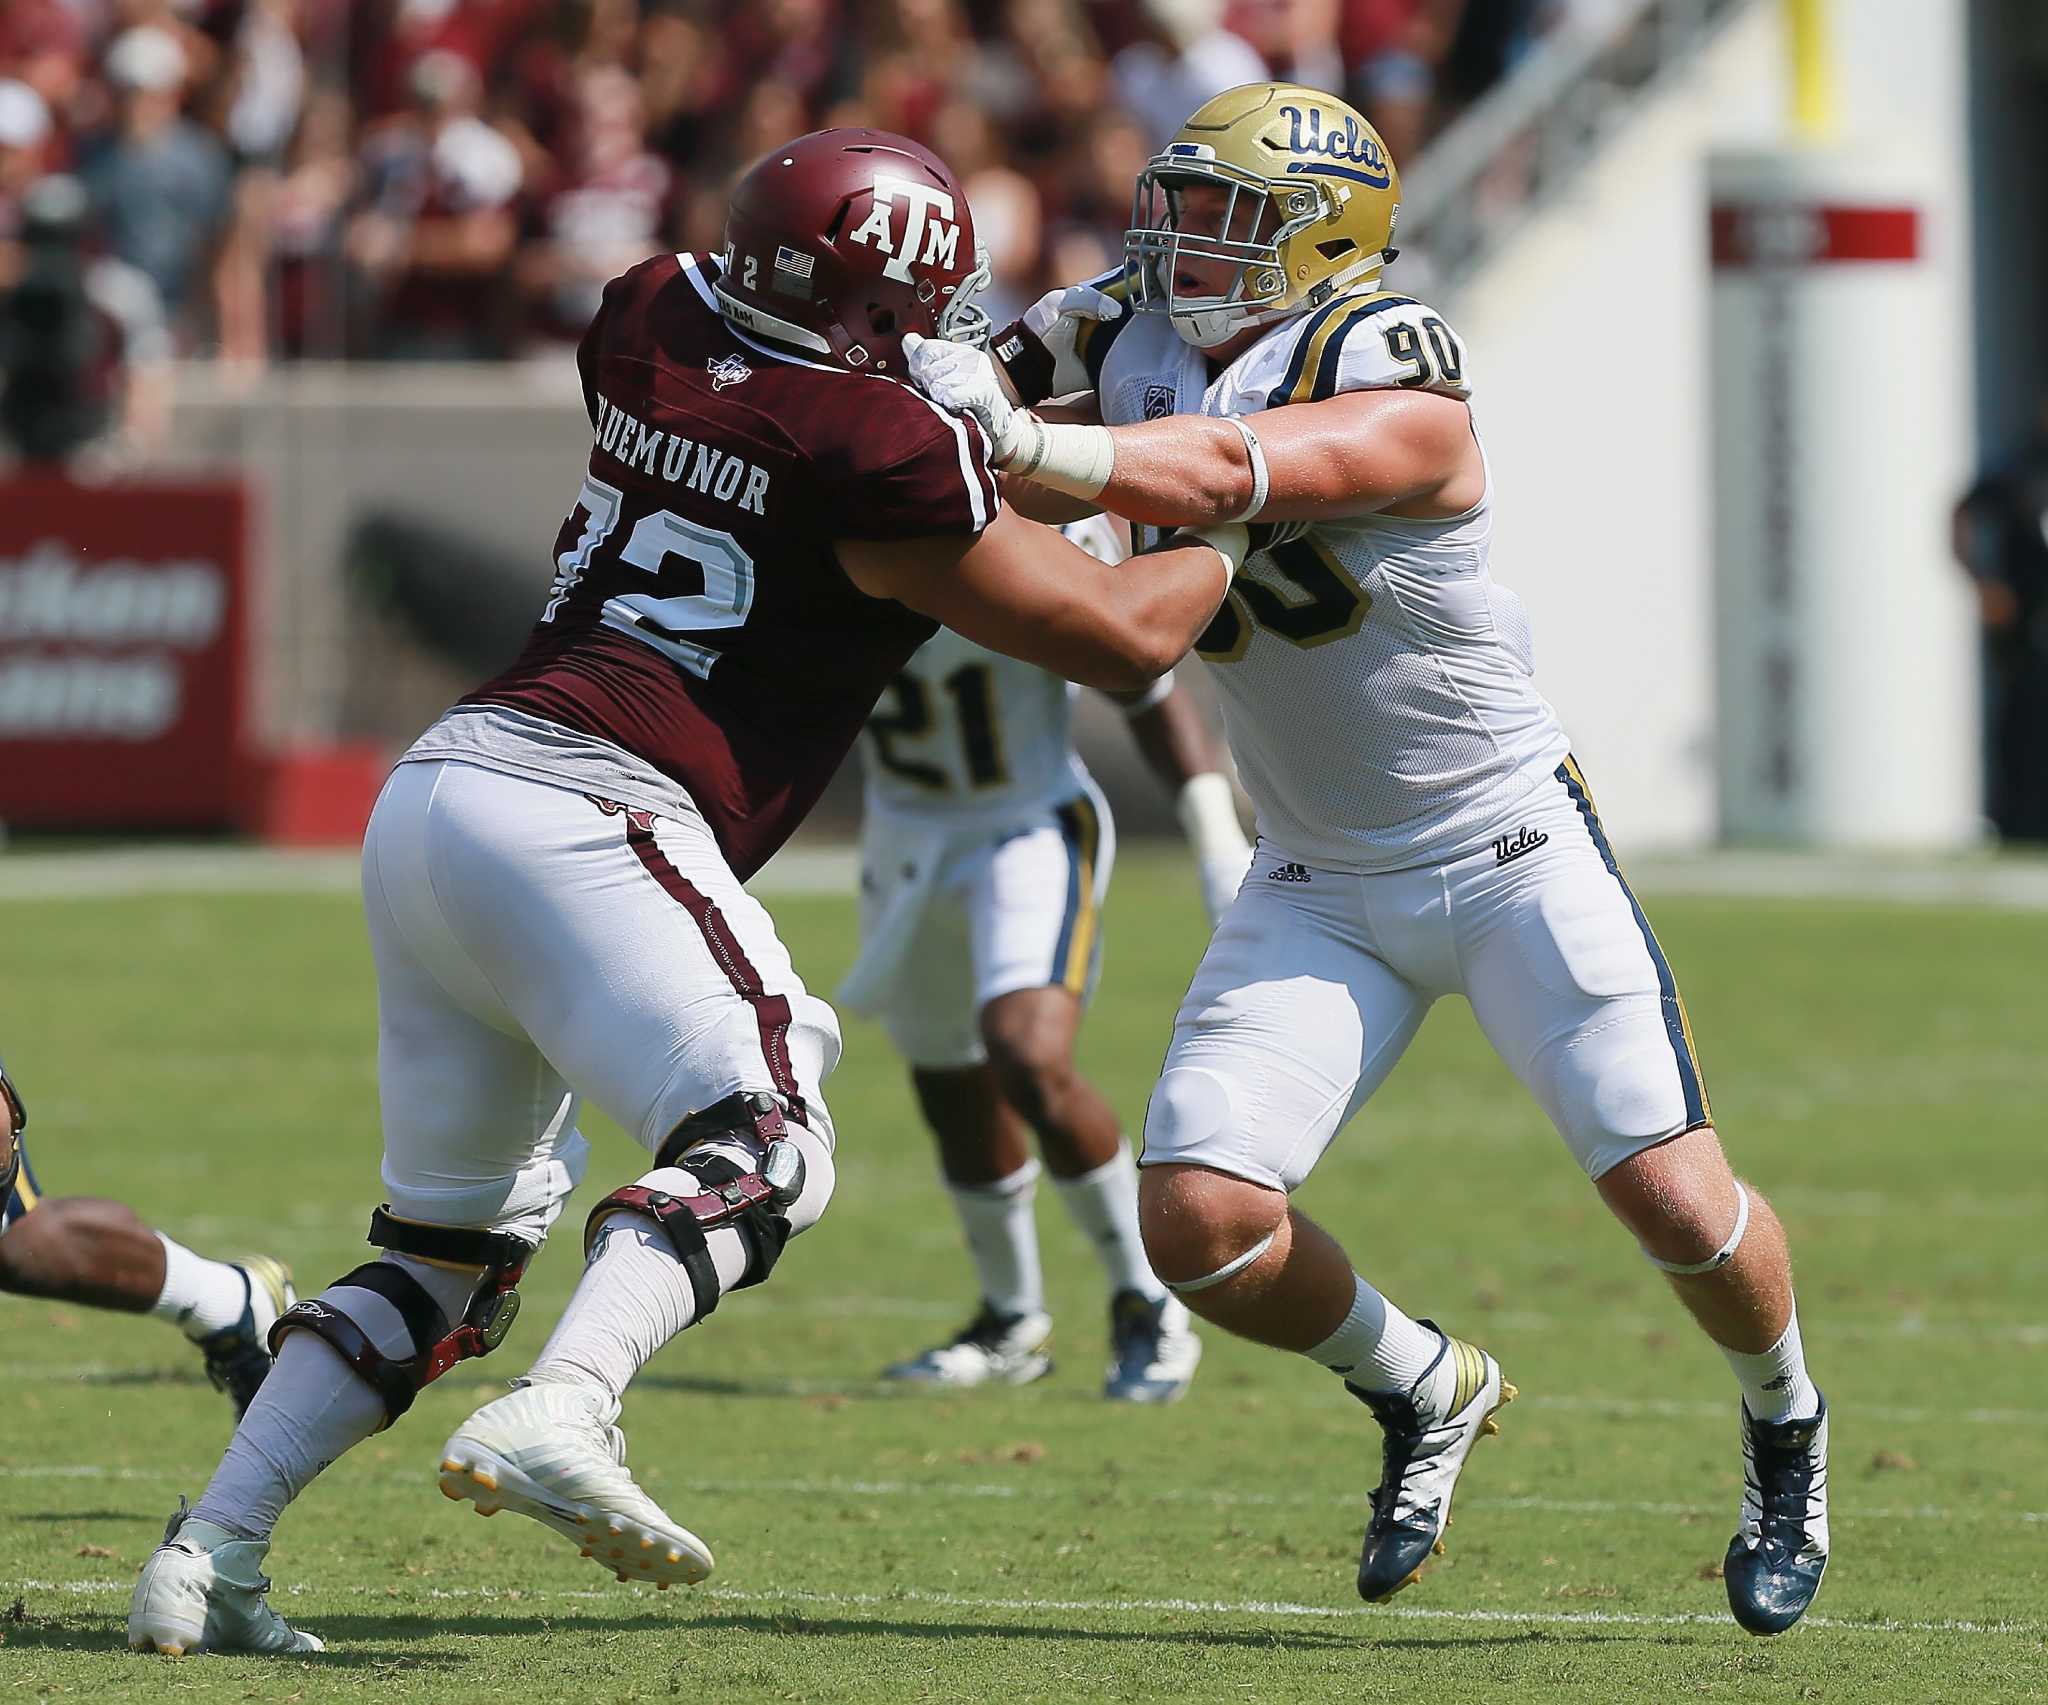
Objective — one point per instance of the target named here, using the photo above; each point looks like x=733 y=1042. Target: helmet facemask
x=962 y=319
x=1258 y=222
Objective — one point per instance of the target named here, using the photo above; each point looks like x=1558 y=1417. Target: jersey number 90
x=1330 y=606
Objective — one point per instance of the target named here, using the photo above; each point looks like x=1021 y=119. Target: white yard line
x=69 y=1373
x=1107 y=1608
x=825 y=867
x=1043 y=1485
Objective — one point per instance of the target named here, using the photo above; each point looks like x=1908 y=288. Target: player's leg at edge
x=100 y=1254
x=1724 y=1252
x=1244 y=1259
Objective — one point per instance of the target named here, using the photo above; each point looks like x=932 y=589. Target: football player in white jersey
x=986 y=851
x=1423 y=827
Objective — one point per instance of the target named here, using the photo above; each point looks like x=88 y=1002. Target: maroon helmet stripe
x=771 y=1012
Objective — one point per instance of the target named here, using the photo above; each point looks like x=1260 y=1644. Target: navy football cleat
x=1428 y=1436
x=1775 y=1563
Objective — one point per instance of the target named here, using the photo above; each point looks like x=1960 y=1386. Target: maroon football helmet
x=842 y=241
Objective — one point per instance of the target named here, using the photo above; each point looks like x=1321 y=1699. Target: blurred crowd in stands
x=434 y=179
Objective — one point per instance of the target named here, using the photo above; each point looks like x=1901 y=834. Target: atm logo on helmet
x=1305 y=135
x=931 y=223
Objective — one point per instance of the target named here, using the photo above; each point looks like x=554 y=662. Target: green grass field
x=1880 y=1070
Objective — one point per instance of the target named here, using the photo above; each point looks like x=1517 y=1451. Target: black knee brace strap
x=437 y=1346
x=733 y=1196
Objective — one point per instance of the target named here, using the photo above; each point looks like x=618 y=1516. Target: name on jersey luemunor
x=679 y=460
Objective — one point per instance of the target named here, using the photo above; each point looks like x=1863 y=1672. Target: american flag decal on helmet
x=791 y=261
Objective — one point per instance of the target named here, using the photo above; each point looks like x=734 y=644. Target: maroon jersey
x=699 y=617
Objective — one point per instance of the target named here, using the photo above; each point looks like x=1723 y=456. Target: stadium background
x=358 y=240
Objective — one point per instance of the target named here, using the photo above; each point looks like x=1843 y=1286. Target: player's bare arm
x=1021 y=589
x=1407 y=452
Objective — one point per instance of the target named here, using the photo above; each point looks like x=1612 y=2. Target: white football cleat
x=992 y=1349
x=1430 y=1430
x=552 y=1452
x=202 y=1591
x=1153 y=1350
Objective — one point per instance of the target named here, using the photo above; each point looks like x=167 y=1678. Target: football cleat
x=202 y=1591
x=1430 y=1430
x=552 y=1452
x=1775 y=1563
x=1153 y=1350
x=991 y=1349
x=238 y=1356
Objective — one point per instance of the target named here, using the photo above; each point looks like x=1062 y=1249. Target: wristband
x=1261 y=479
x=1073 y=459
x=1207 y=809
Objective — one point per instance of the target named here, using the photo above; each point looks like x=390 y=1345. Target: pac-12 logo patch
x=1159 y=401
x=728 y=370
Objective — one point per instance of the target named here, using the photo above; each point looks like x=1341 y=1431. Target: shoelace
x=1785 y=1486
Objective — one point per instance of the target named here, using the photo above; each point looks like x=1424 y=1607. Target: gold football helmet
x=1307 y=211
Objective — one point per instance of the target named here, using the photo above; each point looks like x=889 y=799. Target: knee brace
x=752 y=1200
x=1722 y=1256
x=437 y=1344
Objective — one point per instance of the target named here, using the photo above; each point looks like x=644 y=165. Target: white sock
x=1378 y=1348
x=1775 y=1383
x=1104 y=1204
x=633 y=1297
x=314 y=1407
x=1002 y=1239
x=200 y=1297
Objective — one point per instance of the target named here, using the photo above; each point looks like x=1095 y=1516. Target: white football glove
x=962 y=378
x=1207 y=808
x=1222 y=875
x=1056 y=320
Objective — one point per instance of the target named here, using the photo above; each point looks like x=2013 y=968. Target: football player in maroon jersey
x=771 y=523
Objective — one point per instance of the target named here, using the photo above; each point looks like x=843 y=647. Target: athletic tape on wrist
x=1722 y=1256
x=1207 y=809
x=1231 y=540
x=1069 y=458
x=1261 y=480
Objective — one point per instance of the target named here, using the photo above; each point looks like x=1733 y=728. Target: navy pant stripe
x=1674 y=1013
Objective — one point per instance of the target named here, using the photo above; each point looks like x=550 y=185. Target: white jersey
x=972 y=737
x=1378 y=686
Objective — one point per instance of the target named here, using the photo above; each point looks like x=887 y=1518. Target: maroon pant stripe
x=771 y=1012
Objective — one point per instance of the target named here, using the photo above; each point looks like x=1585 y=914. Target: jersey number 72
x=728 y=571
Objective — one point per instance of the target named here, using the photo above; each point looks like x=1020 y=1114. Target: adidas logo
x=1520 y=844
x=1288 y=873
